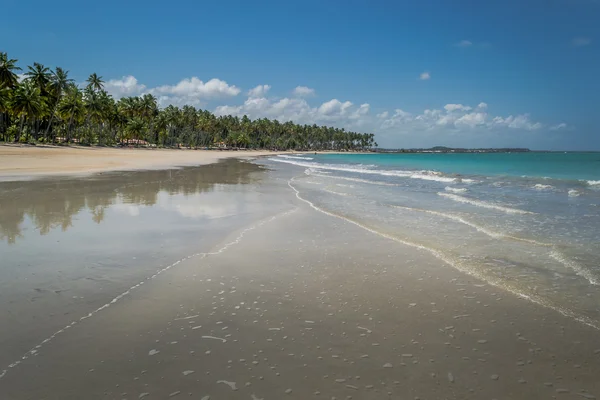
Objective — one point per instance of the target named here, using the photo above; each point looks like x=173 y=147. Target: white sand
x=18 y=162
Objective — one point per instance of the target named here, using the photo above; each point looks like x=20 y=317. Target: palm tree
x=71 y=106
x=39 y=75
x=8 y=77
x=5 y=98
x=58 y=85
x=27 y=103
x=95 y=82
x=135 y=128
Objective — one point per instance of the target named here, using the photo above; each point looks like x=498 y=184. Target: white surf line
x=495 y=235
x=483 y=204
x=555 y=254
x=35 y=350
x=457 y=265
x=575 y=266
x=355 y=180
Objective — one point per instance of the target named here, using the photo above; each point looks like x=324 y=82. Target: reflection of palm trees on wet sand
x=52 y=203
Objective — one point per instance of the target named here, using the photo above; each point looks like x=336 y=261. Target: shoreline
x=19 y=162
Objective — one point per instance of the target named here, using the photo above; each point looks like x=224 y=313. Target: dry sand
x=18 y=162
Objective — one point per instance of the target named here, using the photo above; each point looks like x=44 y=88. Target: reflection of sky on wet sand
x=67 y=245
x=45 y=205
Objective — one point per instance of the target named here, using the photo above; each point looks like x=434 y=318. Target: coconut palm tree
x=71 y=107
x=27 y=103
x=40 y=76
x=5 y=98
x=59 y=83
x=95 y=82
x=8 y=76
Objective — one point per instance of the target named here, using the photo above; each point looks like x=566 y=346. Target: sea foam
x=294 y=157
x=455 y=190
x=364 y=169
x=484 y=204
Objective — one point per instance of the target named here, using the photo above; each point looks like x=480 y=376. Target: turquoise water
x=569 y=166
x=528 y=223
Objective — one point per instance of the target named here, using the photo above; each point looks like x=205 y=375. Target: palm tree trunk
x=69 y=131
x=18 y=138
x=51 y=119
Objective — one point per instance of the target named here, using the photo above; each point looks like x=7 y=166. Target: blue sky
x=498 y=73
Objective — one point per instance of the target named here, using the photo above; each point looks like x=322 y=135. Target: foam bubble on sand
x=215 y=338
x=484 y=204
x=153 y=352
x=232 y=385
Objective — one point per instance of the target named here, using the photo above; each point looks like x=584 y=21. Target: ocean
x=527 y=223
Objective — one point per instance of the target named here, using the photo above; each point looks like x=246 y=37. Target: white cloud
x=126 y=86
x=192 y=91
x=304 y=91
x=558 y=127
x=482 y=106
x=399 y=118
x=471 y=120
x=334 y=106
x=456 y=107
x=383 y=114
x=581 y=41
x=425 y=76
x=196 y=88
x=517 y=122
x=259 y=91
x=464 y=43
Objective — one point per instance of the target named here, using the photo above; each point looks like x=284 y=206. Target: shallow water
x=537 y=236
x=70 y=245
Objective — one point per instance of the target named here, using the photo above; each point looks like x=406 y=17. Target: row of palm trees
x=45 y=105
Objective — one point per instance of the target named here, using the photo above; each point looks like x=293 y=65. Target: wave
x=356 y=180
x=574 y=193
x=461 y=265
x=593 y=183
x=362 y=169
x=337 y=193
x=575 y=266
x=484 y=204
x=539 y=186
x=455 y=190
x=294 y=157
x=479 y=228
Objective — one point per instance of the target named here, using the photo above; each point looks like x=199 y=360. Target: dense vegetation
x=48 y=107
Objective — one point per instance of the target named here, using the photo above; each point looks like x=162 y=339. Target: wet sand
x=293 y=303
x=21 y=162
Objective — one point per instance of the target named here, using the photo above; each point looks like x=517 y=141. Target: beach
x=265 y=279
x=18 y=162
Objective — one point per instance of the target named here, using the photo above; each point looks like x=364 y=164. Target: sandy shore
x=19 y=162
x=219 y=282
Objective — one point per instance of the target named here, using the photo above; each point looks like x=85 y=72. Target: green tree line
x=47 y=106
